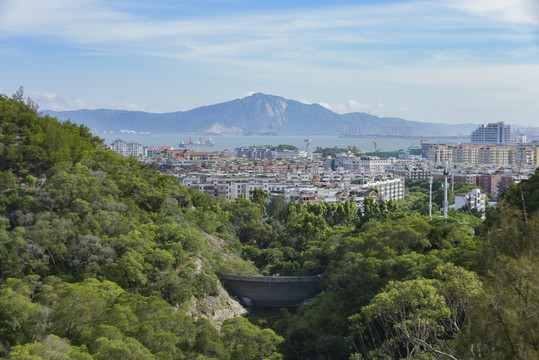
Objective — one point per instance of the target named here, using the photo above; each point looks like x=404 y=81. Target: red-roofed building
x=191 y=157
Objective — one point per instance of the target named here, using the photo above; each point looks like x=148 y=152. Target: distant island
x=256 y=115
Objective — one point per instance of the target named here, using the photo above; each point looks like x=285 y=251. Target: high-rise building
x=492 y=133
x=352 y=130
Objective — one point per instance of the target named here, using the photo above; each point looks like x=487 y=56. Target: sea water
x=231 y=142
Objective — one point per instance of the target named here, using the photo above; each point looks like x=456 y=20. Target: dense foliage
x=385 y=154
x=100 y=255
x=334 y=151
x=100 y=258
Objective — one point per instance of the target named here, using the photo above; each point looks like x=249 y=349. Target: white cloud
x=57 y=102
x=513 y=11
x=466 y=77
x=400 y=50
x=284 y=35
x=50 y=101
x=249 y=93
x=326 y=105
x=353 y=106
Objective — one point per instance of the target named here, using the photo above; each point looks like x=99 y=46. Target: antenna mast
x=430 y=197
x=446 y=203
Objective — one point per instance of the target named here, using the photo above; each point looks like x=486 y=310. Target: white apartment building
x=440 y=154
x=289 y=154
x=373 y=164
x=413 y=170
x=391 y=189
x=475 y=199
x=127 y=148
x=496 y=155
x=492 y=133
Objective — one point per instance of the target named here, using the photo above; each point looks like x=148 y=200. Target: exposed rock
x=220 y=129
x=198 y=263
x=216 y=308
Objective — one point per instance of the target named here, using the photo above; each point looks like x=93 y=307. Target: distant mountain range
x=257 y=114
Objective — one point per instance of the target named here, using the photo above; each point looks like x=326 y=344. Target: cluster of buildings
x=517 y=155
x=490 y=161
x=131 y=148
x=301 y=186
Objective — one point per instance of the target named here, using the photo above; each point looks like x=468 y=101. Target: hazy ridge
x=255 y=114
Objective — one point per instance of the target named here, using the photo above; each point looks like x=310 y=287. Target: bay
x=231 y=142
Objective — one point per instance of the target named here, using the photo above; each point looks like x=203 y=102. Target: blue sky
x=450 y=61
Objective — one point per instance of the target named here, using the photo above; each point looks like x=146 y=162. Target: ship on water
x=201 y=143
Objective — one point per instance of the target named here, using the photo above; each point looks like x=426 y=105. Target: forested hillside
x=103 y=258
x=100 y=256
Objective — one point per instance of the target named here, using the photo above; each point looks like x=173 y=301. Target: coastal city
x=279 y=180
x=493 y=160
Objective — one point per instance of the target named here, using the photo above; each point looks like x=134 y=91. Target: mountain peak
x=257 y=113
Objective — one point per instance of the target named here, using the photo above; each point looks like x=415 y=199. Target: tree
x=282 y=147
x=50 y=348
x=259 y=196
x=19 y=318
x=403 y=320
x=7 y=180
x=82 y=307
x=208 y=342
x=246 y=341
x=504 y=321
x=128 y=348
x=276 y=207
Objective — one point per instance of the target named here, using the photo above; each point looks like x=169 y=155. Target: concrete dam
x=271 y=290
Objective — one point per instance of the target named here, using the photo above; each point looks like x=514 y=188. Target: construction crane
x=375 y=142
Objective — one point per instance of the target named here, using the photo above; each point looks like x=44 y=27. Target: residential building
x=496 y=155
x=475 y=199
x=127 y=148
x=254 y=153
x=489 y=182
x=151 y=151
x=374 y=164
x=506 y=180
x=492 y=133
x=390 y=189
x=440 y=154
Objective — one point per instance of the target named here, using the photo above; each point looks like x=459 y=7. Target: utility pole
x=446 y=203
x=430 y=197
x=452 y=178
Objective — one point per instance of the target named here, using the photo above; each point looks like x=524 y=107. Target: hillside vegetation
x=99 y=254
x=102 y=258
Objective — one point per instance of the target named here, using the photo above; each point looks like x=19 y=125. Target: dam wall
x=271 y=290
